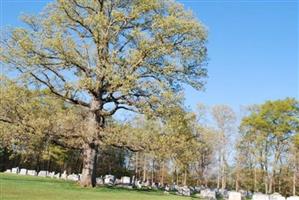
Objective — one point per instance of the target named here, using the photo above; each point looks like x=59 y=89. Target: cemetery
x=126 y=182
x=149 y=100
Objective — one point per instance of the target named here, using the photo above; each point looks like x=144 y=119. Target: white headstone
x=51 y=174
x=146 y=184
x=42 y=173
x=138 y=184
x=259 y=196
x=73 y=177
x=23 y=171
x=186 y=191
x=64 y=175
x=109 y=179
x=293 y=198
x=99 y=181
x=234 y=196
x=208 y=194
x=8 y=171
x=277 y=196
x=31 y=173
x=57 y=175
x=15 y=170
x=125 y=180
x=117 y=181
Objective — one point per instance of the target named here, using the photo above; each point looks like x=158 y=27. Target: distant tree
x=109 y=55
x=269 y=131
x=225 y=119
x=34 y=123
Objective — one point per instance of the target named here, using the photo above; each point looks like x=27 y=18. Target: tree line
x=208 y=147
x=78 y=63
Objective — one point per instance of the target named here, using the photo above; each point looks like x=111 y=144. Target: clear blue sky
x=253 y=48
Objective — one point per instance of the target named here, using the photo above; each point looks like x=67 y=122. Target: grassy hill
x=17 y=187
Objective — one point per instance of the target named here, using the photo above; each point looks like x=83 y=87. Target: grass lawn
x=17 y=187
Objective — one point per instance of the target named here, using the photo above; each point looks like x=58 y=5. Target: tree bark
x=90 y=149
x=237 y=181
x=153 y=169
x=185 y=178
x=144 y=169
x=254 y=180
x=89 y=165
x=223 y=173
x=294 y=183
x=162 y=173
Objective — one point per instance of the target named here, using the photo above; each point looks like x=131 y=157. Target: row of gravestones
x=108 y=179
x=42 y=173
x=111 y=180
x=274 y=196
x=126 y=182
x=201 y=192
x=206 y=193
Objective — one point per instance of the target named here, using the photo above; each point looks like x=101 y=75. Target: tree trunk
x=270 y=183
x=237 y=181
x=90 y=149
x=177 y=177
x=144 y=169
x=89 y=165
x=136 y=166
x=294 y=183
x=162 y=174
x=153 y=169
x=223 y=173
x=219 y=171
x=254 y=181
x=185 y=178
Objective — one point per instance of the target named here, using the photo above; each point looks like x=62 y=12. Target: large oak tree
x=107 y=55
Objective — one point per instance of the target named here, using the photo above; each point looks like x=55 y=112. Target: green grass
x=16 y=187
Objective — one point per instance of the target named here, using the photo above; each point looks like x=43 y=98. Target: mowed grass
x=17 y=187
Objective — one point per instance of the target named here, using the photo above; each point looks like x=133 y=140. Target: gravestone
x=57 y=176
x=173 y=187
x=208 y=194
x=23 y=171
x=31 y=173
x=8 y=171
x=293 y=198
x=234 y=196
x=64 y=175
x=222 y=193
x=145 y=184
x=125 y=180
x=154 y=186
x=51 y=174
x=184 y=191
x=138 y=184
x=15 y=170
x=277 y=196
x=167 y=188
x=117 y=181
x=99 y=181
x=73 y=177
x=260 y=196
x=42 y=173
x=109 y=179
x=197 y=188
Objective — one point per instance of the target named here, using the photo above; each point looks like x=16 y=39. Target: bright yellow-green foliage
x=29 y=117
x=13 y=187
x=269 y=133
x=133 y=54
x=276 y=119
